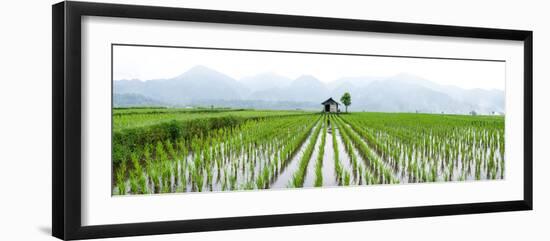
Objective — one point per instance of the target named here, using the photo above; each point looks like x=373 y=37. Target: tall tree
x=346 y=100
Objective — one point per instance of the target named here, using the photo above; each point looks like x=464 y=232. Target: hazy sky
x=147 y=63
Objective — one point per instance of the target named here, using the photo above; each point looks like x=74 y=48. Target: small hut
x=330 y=106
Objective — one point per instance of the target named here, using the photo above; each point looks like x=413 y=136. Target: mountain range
x=202 y=86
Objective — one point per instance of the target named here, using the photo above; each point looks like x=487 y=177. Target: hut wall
x=333 y=108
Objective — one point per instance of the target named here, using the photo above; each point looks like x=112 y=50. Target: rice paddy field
x=204 y=150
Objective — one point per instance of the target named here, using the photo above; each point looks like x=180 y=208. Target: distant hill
x=199 y=83
x=130 y=100
x=203 y=86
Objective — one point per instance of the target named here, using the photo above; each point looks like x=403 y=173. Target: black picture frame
x=66 y=127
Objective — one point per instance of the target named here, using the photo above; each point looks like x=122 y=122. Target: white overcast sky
x=146 y=63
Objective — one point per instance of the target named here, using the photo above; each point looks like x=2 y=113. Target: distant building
x=331 y=106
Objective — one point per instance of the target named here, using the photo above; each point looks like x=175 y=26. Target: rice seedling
x=176 y=150
x=319 y=163
x=351 y=154
x=121 y=178
x=134 y=184
x=367 y=153
x=346 y=178
x=299 y=175
x=337 y=165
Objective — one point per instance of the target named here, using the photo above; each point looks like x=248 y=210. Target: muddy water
x=358 y=178
x=329 y=174
x=385 y=163
x=309 y=180
x=247 y=168
x=462 y=169
x=284 y=178
x=343 y=156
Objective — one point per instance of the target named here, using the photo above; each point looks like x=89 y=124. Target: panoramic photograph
x=188 y=119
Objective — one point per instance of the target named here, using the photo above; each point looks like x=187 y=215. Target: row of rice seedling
x=350 y=162
x=244 y=157
x=252 y=153
x=291 y=154
x=252 y=158
x=374 y=161
x=278 y=161
x=342 y=176
x=299 y=175
x=320 y=155
x=434 y=147
x=362 y=169
x=134 y=128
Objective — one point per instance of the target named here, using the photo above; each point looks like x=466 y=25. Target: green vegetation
x=425 y=147
x=299 y=175
x=339 y=170
x=320 y=155
x=128 y=118
x=133 y=128
x=346 y=100
x=166 y=150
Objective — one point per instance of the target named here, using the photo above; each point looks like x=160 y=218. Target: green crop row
x=299 y=175
x=219 y=158
x=374 y=161
x=224 y=150
x=426 y=148
x=320 y=156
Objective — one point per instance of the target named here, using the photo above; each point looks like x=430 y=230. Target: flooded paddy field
x=253 y=150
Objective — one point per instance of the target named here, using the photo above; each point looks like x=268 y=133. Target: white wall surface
x=25 y=123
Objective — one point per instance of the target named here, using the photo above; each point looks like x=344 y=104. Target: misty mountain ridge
x=202 y=86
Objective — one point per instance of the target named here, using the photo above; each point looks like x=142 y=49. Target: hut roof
x=330 y=101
